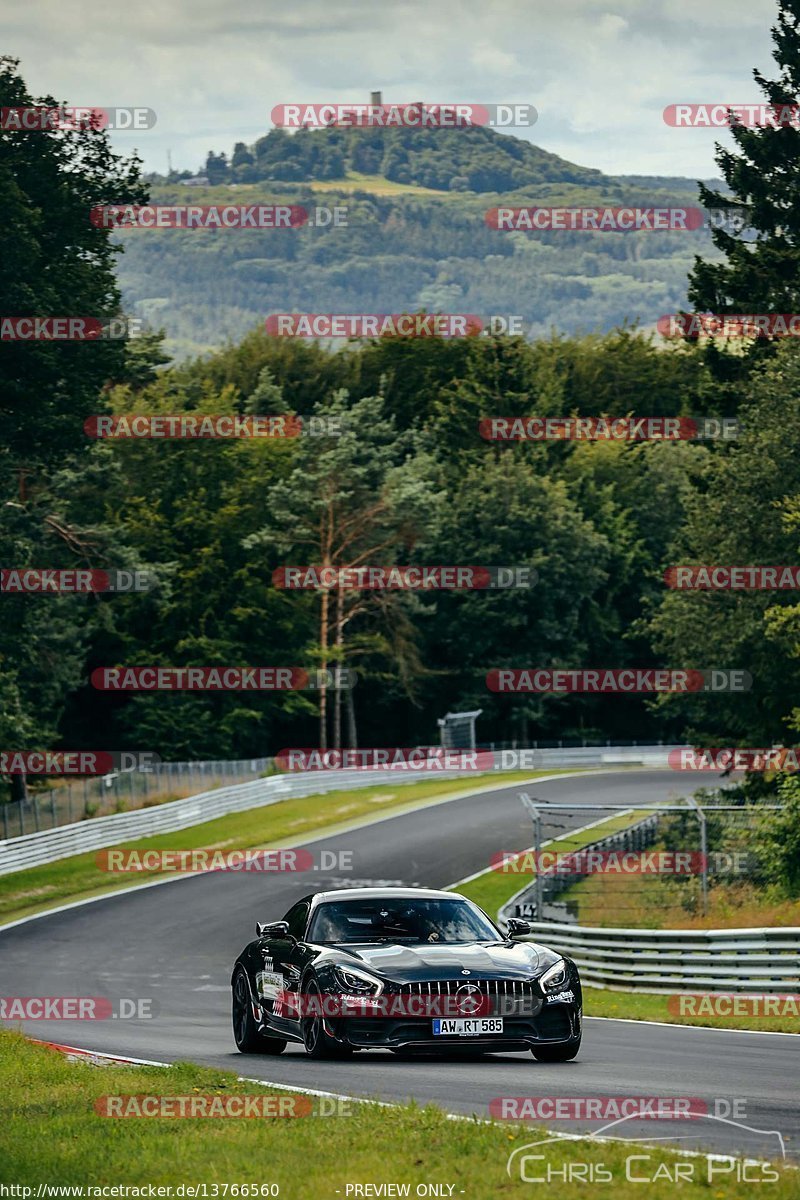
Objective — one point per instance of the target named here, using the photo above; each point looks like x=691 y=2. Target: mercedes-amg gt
x=404 y=969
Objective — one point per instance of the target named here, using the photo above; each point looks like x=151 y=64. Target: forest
x=389 y=468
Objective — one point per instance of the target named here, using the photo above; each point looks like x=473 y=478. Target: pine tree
x=53 y=263
x=761 y=274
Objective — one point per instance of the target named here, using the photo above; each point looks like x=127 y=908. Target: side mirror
x=516 y=927
x=274 y=929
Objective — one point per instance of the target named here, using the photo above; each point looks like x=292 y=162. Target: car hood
x=421 y=961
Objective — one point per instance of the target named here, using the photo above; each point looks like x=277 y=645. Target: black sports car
x=402 y=969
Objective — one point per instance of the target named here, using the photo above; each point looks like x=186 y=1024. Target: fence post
x=537 y=841
x=703 y=859
x=536 y=817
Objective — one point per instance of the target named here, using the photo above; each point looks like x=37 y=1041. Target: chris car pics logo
x=556 y=1160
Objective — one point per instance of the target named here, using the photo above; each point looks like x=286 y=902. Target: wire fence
x=678 y=864
x=569 y=743
x=50 y=845
x=69 y=801
x=66 y=802
x=122 y=791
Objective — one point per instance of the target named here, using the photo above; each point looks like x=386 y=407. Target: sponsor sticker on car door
x=268 y=984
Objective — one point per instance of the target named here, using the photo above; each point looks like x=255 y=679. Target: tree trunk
x=337 y=695
x=19 y=787
x=323 y=690
x=352 y=736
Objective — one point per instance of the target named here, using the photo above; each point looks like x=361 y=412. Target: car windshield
x=412 y=920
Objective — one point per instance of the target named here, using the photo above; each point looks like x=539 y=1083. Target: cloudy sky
x=600 y=72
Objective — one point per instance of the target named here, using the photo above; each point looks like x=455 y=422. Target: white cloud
x=600 y=74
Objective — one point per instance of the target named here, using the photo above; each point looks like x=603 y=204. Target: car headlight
x=357 y=983
x=554 y=977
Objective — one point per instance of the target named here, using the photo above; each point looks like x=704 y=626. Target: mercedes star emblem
x=468 y=998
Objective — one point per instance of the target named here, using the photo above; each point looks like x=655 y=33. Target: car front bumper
x=554 y=1024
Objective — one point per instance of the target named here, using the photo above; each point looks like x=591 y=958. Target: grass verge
x=23 y=893
x=653 y=902
x=52 y=1134
x=494 y=888
x=646 y=1006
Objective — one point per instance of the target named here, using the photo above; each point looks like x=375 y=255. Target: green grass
x=357 y=181
x=494 y=887
x=645 y=1006
x=52 y=1134
x=79 y=877
x=653 y=902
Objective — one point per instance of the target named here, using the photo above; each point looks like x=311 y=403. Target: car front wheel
x=316 y=1039
x=558 y=1053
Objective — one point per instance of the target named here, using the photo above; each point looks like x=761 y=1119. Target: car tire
x=245 y=1031
x=560 y=1052
x=317 y=1041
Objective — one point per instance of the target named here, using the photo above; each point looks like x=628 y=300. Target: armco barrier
x=122 y=790
x=36 y=849
x=671 y=960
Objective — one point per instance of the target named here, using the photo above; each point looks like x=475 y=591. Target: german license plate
x=467 y=1026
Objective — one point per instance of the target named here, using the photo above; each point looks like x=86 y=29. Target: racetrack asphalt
x=175 y=944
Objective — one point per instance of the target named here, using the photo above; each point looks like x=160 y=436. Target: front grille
x=449 y=987
x=507 y=996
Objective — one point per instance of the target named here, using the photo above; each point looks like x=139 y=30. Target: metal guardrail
x=128 y=789
x=543 y=757
x=670 y=960
x=49 y=845
x=121 y=791
x=36 y=849
x=663 y=960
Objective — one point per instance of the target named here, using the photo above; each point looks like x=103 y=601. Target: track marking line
x=676 y=1025
x=450 y=1116
x=123 y=1058
x=286 y=844
x=623 y=1020
x=549 y=842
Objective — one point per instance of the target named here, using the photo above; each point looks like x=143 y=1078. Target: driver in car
x=410 y=922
